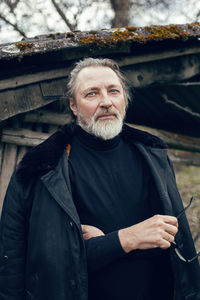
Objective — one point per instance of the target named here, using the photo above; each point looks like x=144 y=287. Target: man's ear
x=73 y=106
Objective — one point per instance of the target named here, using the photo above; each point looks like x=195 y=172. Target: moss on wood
x=140 y=35
x=24 y=45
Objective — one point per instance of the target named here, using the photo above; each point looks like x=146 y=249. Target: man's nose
x=105 y=100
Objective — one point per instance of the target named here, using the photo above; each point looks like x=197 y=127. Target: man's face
x=100 y=103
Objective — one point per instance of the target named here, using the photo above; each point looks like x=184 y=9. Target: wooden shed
x=162 y=64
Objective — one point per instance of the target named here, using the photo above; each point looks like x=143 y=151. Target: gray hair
x=96 y=62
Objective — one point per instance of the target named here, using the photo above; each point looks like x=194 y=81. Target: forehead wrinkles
x=105 y=77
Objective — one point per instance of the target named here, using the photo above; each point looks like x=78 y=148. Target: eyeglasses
x=175 y=246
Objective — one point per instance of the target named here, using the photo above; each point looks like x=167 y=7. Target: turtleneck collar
x=94 y=142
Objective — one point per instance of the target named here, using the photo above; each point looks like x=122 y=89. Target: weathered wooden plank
x=52 y=129
x=183 y=149
x=160 y=55
x=1 y=155
x=21 y=152
x=8 y=166
x=42 y=116
x=177 y=141
x=184 y=157
x=22 y=80
x=167 y=70
x=13 y=102
x=123 y=61
x=27 y=137
x=23 y=137
x=54 y=87
x=173 y=140
x=23 y=149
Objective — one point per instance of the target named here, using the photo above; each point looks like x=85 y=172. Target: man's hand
x=155 y=232
x=90 y=231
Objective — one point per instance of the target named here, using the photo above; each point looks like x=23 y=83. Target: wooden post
x=1 y=155
x=8 y=167
x=22 y=151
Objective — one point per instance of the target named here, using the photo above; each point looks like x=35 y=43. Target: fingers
x=86 y=236
x=87 y=231
x=168 y=223
x=89 y=228
x=168 y=237
x=171 y=220
x=90 y=231
x=162 y=240
x=167 y=219
x=155 y=232
x=170 y=229
x=167 y=228
x=84 y=228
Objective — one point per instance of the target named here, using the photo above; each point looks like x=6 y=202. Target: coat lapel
x=58 y=184
x=157 y=162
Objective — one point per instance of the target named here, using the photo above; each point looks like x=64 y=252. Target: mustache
x=105 y=112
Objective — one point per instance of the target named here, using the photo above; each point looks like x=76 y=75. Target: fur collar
x=44 y=157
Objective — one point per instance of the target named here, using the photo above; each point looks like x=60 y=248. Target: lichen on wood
x=24 y=45
x=140 y=35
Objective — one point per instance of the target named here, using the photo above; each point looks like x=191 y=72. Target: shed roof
x=162 y=63
x=64 y=47
x=105 y=37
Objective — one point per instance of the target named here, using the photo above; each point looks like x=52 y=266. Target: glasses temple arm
x=184 y=209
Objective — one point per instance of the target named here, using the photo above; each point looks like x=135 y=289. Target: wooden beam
x=13 y=102
x=8 y=167
x=26 y=137
x=17 y=81
x=182 y=149
x=137 y=59
x=43 y=116
x=173 y=69
x=184 y=157
x=52 y=129
x=124 y=61
x=1 y=155
x=53 y=88
x=174 y=140
x=180 y=142
x=22 y=151
x=23 y=137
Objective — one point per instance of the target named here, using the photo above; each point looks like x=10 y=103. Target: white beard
x=105 y=129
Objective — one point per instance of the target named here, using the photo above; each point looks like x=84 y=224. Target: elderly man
x=91 y=212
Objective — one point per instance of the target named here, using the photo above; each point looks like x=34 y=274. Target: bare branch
x=15 y=26
x=77 y=15
x=62 y=15
x=12 y=5
x=198 y=15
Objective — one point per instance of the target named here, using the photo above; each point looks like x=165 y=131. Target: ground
x=188 y=180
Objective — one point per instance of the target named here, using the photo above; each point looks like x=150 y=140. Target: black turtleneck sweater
x=111 y=187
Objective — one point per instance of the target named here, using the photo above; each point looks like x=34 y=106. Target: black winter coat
x=42 y=253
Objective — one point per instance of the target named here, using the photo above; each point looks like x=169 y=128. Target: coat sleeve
x=103 y=250
x=12 y=245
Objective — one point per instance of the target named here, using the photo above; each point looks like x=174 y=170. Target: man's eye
x=114 y=91
x=91 y=94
